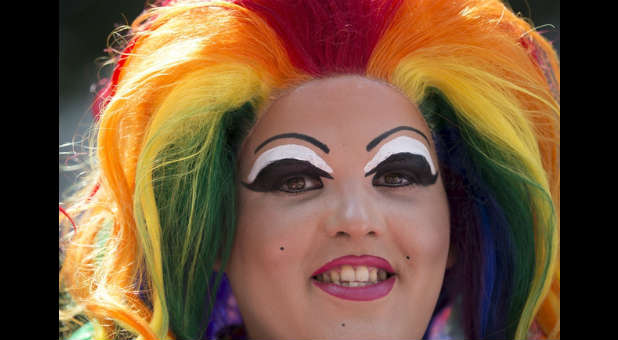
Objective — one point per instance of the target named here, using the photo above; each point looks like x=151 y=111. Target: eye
x=288 y=175
x=392 y=179
x=300 y=183
x=403 y=169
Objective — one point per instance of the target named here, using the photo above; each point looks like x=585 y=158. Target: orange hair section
x=169 y=43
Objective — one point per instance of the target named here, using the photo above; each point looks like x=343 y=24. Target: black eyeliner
x=405 y=163
x=271 y=177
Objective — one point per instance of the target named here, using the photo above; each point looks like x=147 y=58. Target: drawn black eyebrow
x=381 y=137
x=306 y=138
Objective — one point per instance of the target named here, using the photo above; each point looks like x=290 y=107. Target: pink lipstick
x=367 y=291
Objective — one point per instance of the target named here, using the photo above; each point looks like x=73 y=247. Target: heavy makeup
x=343 y=221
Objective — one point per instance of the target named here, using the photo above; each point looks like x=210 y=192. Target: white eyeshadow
x=398 y=145
x=294 y=151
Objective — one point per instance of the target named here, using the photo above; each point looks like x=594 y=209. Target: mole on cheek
x=407 y=257
x=281 y=248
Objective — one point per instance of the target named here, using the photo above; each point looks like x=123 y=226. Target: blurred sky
x=84 y=27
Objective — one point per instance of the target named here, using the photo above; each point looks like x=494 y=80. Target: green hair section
x=195 y=190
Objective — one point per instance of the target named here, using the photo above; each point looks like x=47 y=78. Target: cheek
x=257 y=242
x=422 y=230
x=269 y=237
x=265 y=278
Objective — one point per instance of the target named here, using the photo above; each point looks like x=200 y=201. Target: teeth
x=347 y=273
x=362 y=273
x=355 y=284
x=373 y=275
x=334 y=276
x=349 y=276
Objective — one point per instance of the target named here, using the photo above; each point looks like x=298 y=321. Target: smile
x=357 y=278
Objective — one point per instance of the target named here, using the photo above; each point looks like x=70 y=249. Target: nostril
x=343 y=233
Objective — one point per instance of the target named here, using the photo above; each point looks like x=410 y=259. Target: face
x=343 y=221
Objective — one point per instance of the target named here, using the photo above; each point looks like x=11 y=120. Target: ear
x=217 y=265
x=452 y=257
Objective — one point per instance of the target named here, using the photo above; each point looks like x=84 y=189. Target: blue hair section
x=489 y=268
x=480 y=232
x=498 y=252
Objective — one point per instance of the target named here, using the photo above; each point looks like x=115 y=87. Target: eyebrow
x=301 y=136
x=381 y=137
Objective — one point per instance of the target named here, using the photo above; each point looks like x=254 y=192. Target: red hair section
x=109 y=90
x=323 y=37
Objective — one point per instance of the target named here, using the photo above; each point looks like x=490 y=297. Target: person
x=320 y=169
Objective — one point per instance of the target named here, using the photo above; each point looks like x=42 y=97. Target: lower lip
x=365 y=293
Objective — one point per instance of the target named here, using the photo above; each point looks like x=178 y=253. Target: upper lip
x=354 y=260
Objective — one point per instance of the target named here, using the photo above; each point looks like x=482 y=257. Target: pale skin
x=283 y=237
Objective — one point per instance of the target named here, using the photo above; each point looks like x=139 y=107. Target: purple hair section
x=225 y=315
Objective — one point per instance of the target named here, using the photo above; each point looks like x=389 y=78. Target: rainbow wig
x=158 y=208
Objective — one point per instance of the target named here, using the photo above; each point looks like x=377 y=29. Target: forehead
x=344 y=111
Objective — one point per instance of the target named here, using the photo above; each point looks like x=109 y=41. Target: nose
x=354 y=213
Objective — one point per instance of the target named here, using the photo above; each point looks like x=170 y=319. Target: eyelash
x=287 y=179
x=411 y=179
x=413 y=168
x=277 y=177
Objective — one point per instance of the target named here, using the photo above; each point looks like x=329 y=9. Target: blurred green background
x=84 y=28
